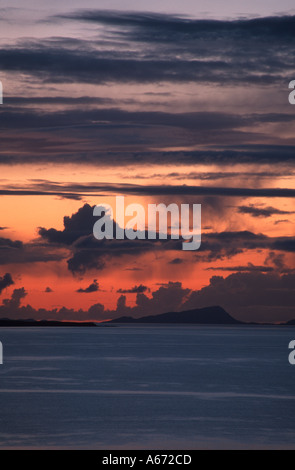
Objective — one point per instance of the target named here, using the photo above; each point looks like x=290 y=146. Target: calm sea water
x=147 y=387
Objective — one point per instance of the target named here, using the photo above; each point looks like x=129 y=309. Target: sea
x=147 y=387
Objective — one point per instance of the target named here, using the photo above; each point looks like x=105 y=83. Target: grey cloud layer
x=77 y=191
x=17 y=252
x=88 y=253
x=148 y=48
x=114 y=136
x=138 y=47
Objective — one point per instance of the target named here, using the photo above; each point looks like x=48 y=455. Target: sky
x=178 y=102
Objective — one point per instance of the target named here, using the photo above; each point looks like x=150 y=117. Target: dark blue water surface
x=147 y=387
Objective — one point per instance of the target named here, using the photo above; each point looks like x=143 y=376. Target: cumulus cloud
x=247 y=296
x=76 y=226
x=251 y=296
x=93 y=287
x=134 y=290
x=14 y=302
x=169 y=297
x=48 y=290
x=88 y=253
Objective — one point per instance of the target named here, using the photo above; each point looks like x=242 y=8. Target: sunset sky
x=160 y=102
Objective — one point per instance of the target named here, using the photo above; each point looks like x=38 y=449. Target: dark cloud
x=241 y=269
x=93 y=287
x=57 y=64
x=281 y=221
x=105 y=118
x=277 y=260
x=60 y=65
x=225 y=245
x=89 y=253
x=81 y=190
x=252 y=296
x=129 y=139
x=248 y=296
x=7 y=243
x=86 y=259
x=134 y=290
x=20 y=192
x=146 y=47
x=165 y=190
x=219 y=42
x=14 y=302
x=77 y=244
x=141 y=48
x=78 y=225
x=133 y=269
x=5 y=281
x=176 y=261
x=261 y=211
x=219 y=175
x=168 y=297
x=20 y=101
x=17 y=252
x=284 y=244
x=166 y=26
x=11 y=308
x=86 y=135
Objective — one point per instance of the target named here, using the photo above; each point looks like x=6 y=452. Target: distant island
x=209 y=315
x=5 y=322
x=214 y=315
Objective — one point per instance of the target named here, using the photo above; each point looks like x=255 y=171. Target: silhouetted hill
x=209 y=315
